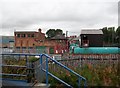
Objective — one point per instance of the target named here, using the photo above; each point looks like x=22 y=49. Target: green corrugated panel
x=51 y=50
x=41 y=49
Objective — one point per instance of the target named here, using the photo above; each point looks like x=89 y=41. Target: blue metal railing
x=80 y=78
x=26 y=66
x=48 y=73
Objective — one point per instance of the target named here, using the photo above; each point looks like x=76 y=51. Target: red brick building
x=61 y=45
x=36 y=41
x=26 y=40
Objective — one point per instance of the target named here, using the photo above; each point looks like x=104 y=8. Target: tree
x=109 y=35
x=118 y=35
x=105 y=34
x=50 y=33
x=58 y=31
x=118 y=31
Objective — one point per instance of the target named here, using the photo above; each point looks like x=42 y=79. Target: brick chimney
x=39 y=30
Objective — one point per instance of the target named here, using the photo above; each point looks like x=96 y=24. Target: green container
x=96 y=50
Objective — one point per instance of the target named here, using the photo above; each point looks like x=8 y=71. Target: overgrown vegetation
x=101 y=75
x=96 y=75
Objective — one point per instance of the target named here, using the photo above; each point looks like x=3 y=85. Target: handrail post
x=85 y=84
x=41 y=60
x=79 y=79
x=47 y=71
x=41 y=66
x=27 y=70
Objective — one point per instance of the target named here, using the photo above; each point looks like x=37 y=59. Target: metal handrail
x=70 y=70
x=58 y=79
x=46 y=69
x=18 y=66
x=12 y=74
x=2 y=65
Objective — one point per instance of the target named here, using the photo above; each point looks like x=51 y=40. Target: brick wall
x=27 y=40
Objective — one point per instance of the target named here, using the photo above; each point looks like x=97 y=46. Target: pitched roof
x=59 y=36
x=91 y=32
x=76 y=38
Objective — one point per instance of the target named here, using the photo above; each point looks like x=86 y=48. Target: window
x=28 y=35
x=17 y=47
x=85 y=37
x=60 y=41
x=30 y=47
x=18 y=35
x=23 y=47
x=32 y=35
x=23 y=35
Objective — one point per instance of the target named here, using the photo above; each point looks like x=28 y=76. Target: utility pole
x=66 y=34
x=67 y=41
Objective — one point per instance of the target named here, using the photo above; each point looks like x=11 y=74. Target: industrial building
x=91 y=38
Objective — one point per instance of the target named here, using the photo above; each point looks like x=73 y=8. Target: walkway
x=8 y=83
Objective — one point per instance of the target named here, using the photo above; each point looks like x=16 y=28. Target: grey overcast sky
x=68 y=15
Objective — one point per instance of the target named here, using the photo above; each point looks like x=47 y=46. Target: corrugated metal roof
x=91 y=32
x=6 y=39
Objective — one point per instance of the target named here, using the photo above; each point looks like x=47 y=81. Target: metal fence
x=80 y=61
x=38 y=73
x=30 y=51
x=94 y=60
x=8 y=50
x=18 y=66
